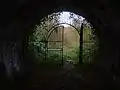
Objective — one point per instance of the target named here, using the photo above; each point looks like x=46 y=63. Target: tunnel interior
x=20 y=17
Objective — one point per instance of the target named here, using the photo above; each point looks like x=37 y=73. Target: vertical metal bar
x=62 y=42
x=46 y=50
x=81 y=45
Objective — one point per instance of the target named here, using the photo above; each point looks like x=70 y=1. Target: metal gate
x=51 y=30
x=55 y=41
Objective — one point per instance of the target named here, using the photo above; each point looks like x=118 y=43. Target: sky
x=64 y=18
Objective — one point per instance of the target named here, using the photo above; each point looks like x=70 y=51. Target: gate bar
x=62 y=42
x=81 y=45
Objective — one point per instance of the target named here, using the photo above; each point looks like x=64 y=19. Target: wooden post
x=62 y=43
x=81 y=45
x=46 y=49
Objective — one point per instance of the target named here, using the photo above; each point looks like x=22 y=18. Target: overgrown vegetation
x=38 y=43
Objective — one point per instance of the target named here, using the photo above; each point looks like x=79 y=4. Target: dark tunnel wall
x=20 y=16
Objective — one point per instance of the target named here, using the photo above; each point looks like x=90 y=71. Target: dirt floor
x=62 y=79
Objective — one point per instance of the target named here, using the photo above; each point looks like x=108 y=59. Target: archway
x=59 y=32
x=29 y=12
x=50 y=25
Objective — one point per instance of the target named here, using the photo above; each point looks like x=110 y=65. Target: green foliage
x=37 y=44
x=37 y=40
x=90 y=45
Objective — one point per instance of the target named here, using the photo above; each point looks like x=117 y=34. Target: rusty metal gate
x=55 y=39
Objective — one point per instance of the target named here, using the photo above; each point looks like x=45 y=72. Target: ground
x=61 y=79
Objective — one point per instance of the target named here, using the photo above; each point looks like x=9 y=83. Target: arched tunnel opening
x=17 y=68
x=63 y=36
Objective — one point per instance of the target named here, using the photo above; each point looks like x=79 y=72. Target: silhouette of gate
x=51 y=33
x=55 y=39
x=54 y=43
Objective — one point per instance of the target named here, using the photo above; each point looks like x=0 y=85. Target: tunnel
x=18 y=18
